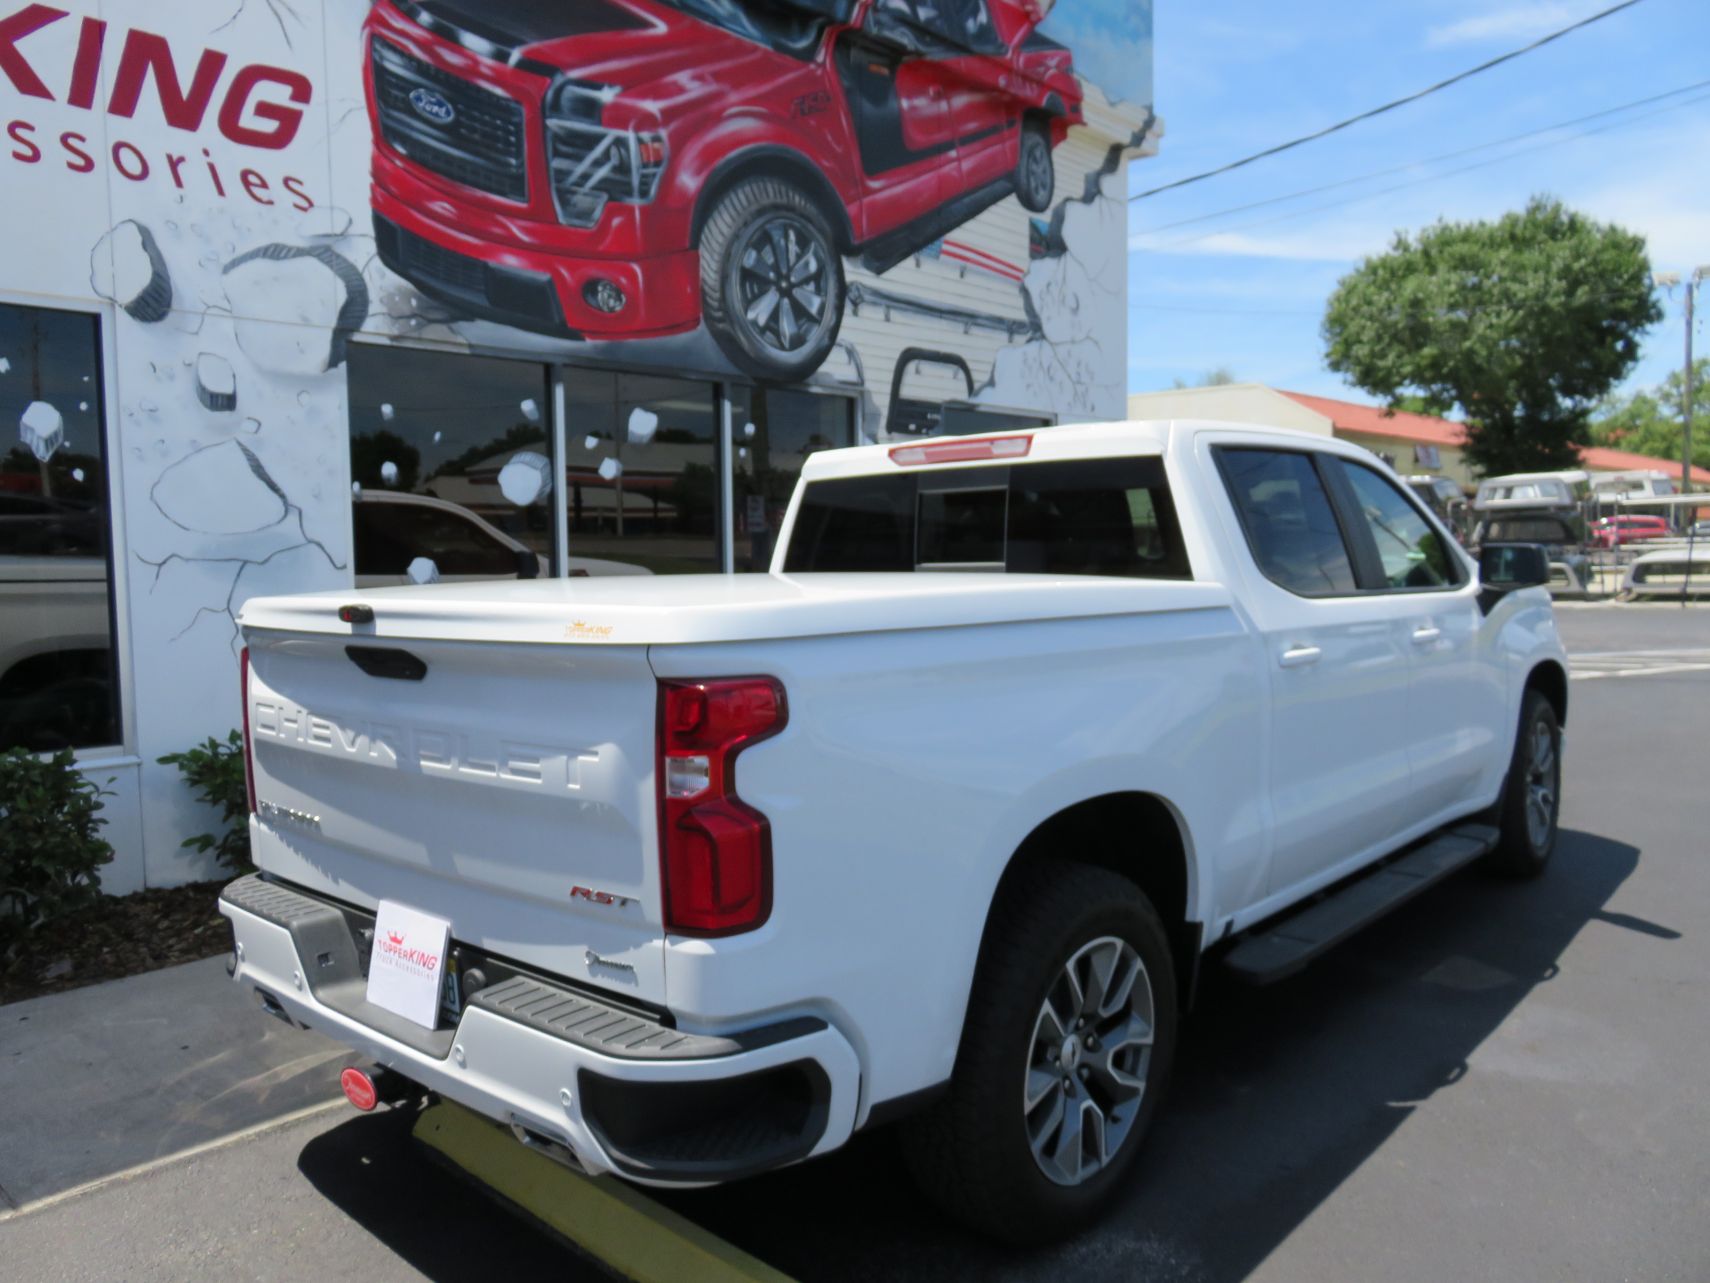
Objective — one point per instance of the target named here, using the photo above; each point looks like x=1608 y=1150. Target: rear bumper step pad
x=323 y=934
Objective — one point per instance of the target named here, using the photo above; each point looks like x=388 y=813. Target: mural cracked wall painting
x=788 y=190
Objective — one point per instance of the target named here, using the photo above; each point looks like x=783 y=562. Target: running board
x=1282 y=948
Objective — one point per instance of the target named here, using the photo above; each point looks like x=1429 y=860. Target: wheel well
x=780 y=163
x=1138 y=837
x=1549 y=680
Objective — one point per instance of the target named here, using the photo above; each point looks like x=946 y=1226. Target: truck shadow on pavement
x=1279 y=1095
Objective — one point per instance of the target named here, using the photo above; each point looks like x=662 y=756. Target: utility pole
x=1668 y=280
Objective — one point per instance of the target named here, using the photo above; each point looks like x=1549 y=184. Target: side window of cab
x=1409 y=551
x=1291 y=525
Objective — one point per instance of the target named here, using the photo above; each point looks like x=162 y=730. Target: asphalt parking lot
x=1498 y=1082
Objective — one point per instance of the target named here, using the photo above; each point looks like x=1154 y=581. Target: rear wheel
x=1070 y=1032
x=771 y=280
x=1530 y=804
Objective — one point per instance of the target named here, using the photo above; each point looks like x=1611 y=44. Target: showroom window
x=775 y=430
x=58 y=676
x=641 y=472
x=451 y=463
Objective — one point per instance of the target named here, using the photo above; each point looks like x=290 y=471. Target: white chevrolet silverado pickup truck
x=684 y=879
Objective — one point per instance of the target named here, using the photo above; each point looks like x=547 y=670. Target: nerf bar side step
x=1283 y=947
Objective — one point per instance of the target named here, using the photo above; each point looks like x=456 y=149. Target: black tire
x=1529 y=829
x=765 y=342
x=1036 y=168
x=973 y=1151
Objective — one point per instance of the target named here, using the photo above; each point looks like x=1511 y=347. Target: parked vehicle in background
x=627 y=168
x=55 y=629
x=691 y=877
x=1700 y=530
x=1570 y=567
x=393 y=530
x=1613 y=532
x=1532 y=491
x=1677 y=572
x=1444 y=498
x=1643 y=483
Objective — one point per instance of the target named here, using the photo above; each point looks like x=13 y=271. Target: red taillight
x=248 y=743
x=961 y=450
x=715 y=850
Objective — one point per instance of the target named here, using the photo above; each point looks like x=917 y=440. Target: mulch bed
x=121 y=936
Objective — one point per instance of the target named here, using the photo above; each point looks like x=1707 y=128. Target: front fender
x=739 y=141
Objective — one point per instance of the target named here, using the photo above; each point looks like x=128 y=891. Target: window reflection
x=450 y=456
x=641 y=479
x=788 y=426
x=58 y=688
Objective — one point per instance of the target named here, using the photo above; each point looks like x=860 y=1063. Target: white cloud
x=1318 y=246
x=1520 y=22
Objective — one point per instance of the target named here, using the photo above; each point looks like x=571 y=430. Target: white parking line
x=1637 y=663
x=167 y=1160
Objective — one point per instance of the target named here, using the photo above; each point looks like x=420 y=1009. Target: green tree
x=372 y=451
x=1653 y=420
x=1523 y=323
x=1220 y=376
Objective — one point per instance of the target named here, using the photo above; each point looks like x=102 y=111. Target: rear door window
x=1080 y=517
x=1290 y=525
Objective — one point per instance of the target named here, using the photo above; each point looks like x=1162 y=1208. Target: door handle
x=1300 y=656
x=1425 y=636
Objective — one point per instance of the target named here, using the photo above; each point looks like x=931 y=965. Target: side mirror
x=528 y=564
x=1508 y=567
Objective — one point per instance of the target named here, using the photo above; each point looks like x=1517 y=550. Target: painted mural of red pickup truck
x=616 y=169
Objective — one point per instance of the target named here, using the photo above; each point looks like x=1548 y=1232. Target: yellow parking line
x=611 y=1220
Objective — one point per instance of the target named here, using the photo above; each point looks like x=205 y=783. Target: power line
x=1429 y=178
x=1427 y=160
x=1389 y=106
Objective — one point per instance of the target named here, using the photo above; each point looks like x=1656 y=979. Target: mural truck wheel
x=1036 y=172
x=771 y=280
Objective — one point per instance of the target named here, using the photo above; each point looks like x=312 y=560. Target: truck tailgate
x=508 y=789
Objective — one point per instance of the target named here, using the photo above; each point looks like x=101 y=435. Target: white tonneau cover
x=719 y=608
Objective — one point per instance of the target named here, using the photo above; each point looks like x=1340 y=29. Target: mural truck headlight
x=591 y=163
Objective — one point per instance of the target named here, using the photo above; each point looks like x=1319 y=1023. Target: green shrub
x=216 y=772
x=50 y=842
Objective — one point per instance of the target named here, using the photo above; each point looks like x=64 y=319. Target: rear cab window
x=1112 y=517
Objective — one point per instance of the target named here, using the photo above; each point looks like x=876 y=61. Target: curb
x=612 y=1221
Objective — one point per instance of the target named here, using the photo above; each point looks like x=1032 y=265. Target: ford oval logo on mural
x=434 y=106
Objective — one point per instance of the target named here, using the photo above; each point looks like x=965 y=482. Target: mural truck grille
x=469 y=134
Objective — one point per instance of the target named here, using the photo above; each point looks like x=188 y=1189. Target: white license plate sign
x=408 y=965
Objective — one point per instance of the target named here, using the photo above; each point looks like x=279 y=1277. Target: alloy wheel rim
x=784 y=284
x=1039 y=172
x=1087 y=1061
x=1541 y=785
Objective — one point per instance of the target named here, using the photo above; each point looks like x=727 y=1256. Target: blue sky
x=1247 y=290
